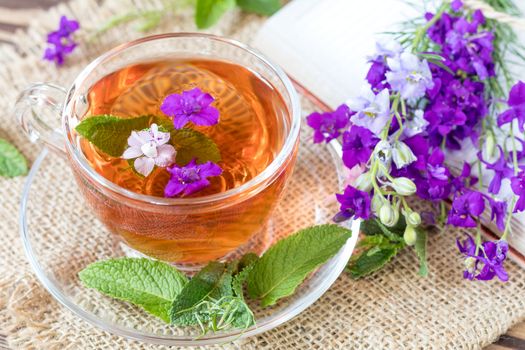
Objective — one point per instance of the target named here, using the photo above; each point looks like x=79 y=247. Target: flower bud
x=404 y=186
x=388 y=215
x=383 y=153
x=490 y=145
x=377 y=203
x=402 y=155
x=410 y=235
x=413 y=219
x=363 y=182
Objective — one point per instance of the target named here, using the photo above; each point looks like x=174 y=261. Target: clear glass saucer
x=61 y=237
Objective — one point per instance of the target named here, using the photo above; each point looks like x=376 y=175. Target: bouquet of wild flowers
x=436 y=89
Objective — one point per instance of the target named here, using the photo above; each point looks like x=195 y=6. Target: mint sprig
x=214 y=299
x=110 y=135
x=12 y=162
x=150 y=284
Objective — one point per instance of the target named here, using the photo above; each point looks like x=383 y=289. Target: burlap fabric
x=393 y=309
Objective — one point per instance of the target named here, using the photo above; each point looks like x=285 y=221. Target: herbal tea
x=185 y=128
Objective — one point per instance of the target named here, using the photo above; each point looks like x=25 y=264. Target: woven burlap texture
x=394 y=309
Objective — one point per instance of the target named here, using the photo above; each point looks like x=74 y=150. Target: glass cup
x=180 y=230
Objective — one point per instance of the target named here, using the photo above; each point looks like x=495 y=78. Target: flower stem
x=422 y=31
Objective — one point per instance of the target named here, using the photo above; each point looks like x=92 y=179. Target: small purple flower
x=190 y=178
x=493 y=257
x=372 y=111
x=61 y=41
x=516 y=109
x=409 y=75
x=465 y=208
x=150 y=148
x=517 y=183
x=190 y=106
x=358 y=145
x=468 y=249
x=501 y=171
x=386 y=48
x=456 y=5
x=376 y=75
x=354 y=204
x=498 y=212
x=328 y=126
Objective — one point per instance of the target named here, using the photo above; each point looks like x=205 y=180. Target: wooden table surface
x=15 y=14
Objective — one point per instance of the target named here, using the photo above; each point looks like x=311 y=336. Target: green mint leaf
x=208 y=12
x=150 y=284
x=370 y=261
x=421 y=251
x=246 y=265
x=375 y=227
x=286 y=264
x=109 y=133
x=12 y=162
x=261 y=7
x=213 y=281
x=191 y=144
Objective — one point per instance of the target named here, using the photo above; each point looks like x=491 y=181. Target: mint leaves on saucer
x=110 y=135
x=214 y=299
x=12 y=162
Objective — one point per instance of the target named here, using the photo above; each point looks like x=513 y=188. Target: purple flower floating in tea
x=190 y=178
x=61 y=41
x=150 y=148
x=190 y=106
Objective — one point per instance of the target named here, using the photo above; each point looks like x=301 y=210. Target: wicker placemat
x=393 y=309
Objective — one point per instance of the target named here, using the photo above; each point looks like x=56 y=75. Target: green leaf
x=12 y=162
x=367 y=263
x=261 y=7
x=246 y=265
x=150 y=284
x=193 y=144
x=109 y=133
x=213 y=281
x=375 y=227
x=286 y=264
x=421 y=251
x=209 y=12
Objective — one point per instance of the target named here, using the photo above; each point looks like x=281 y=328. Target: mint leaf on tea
x=208 y=12
x=261 y=7
x=109 y=133
x=421 y=251
x=192 y=144
x=371 y=260
x=150 y=284
x=12 y=162
x=213 y=281
x=286 y=264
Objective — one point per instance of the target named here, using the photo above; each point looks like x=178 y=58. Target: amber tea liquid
x=251 y=131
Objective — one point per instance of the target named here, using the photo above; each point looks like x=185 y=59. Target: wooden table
x=15 y=14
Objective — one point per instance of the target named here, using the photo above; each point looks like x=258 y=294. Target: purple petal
x=206 y=117
x=144 y=165
x=166 y=156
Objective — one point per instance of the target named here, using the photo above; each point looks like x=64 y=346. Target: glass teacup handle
x=38 y=111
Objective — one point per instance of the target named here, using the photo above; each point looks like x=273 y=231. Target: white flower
x=402 y=155
x=150 y=148
x=415 y=125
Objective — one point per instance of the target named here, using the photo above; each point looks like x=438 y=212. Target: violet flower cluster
x=415 y=112
x=61 y=41
x=149 y=148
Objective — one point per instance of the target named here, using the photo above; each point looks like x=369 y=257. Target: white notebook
x=323 y=45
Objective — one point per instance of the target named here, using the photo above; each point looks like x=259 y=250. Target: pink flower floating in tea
x=190 y=106
x=61 y=41
x=150 y=147
x=190 y=178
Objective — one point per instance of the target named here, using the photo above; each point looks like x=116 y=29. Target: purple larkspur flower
x=467 y=247
x=328 y=126
x=493 y=256
x=456 y=5
x=371 y=111
x=354 y=204
x=409 y=75
x=465 y=208
x=498 y=212
x=415 y=123
x=465 y=179
x=386 y=48
x=358 y=145
x=149 y=148
x=190 y=178
x=442 y=121
x=501 y=169
x=190 y=106
x=516 y=109
x=376 y=75
x=60 y=41
x=517 y=183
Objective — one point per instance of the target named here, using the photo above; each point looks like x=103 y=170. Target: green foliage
x=261 y=7
x=12 y=162
x=208 y=12
x=191 y=144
